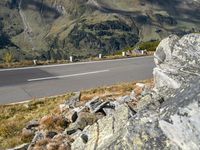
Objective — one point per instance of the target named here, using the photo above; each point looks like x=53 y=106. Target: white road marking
x=70 y=64
x=66 y=76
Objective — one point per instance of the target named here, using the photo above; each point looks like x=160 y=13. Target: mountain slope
x=55 y=29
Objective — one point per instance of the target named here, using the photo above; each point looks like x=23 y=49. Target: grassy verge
x=50 y=62
x=13 y=118
x=30 y=63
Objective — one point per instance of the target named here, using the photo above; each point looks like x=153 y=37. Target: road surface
x=20 y=84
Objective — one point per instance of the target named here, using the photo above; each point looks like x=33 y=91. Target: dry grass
x=13 y=118
x=113 y=91
x=119 y=56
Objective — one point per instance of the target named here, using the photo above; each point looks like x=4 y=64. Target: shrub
x=149 y=46
x=8 y=58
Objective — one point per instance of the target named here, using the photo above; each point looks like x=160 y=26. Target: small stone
x=141 y=85
x=124 y=99
x=132 y=107
x=76 y=134
x=63 y=107
x=95 y=102
x=108 y=111
x=99 y=107
x=27 y=132
x=133 y=95
x=84 y=119
x=110 y=107
x=32 y=124
x=71 y=130
x=84 y=138
x=51 y=134
x=143 y=102
x=72 y=102
x=138 y=91
x=71 y=115
x=38 y=136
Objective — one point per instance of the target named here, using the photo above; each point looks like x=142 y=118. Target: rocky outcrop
x=177 y=62
x=165 y=117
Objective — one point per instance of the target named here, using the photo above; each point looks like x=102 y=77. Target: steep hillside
x=55 y=29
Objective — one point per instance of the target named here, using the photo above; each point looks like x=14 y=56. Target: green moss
x=149 y=46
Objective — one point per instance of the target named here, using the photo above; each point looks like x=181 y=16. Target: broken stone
x=38 y=136
x=133 y=95
x=64 y=108
x=108 y=111
x=84 y=138
x=32 y=124
x=72 y=102
x=76 y=134
x=141 y=85
x=143 y=102
x=84 y=119
x=71 y=130
x=92 y=132
x=71 y=115
x=124 y=99
x=51 y=134
x=138 y=91
x=100 y=107
x=28 y=132
x=93 y=104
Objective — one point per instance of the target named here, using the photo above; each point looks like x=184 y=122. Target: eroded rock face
x=177 y=61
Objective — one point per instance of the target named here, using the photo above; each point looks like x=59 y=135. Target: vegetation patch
x=13 y=118
x=149 y=46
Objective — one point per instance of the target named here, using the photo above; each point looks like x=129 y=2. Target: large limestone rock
x=177 y=61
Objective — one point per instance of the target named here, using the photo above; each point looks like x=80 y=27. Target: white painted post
x=35 y=62
x=142 y=52
x=123 y=54
x=71 y=59
x=100 y=56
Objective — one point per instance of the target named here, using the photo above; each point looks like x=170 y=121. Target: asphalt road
x=17 y=85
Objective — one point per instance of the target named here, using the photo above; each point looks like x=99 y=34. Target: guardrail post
x=71 y=58
x=35 y=62
x=123 y=54
x=100 y=56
